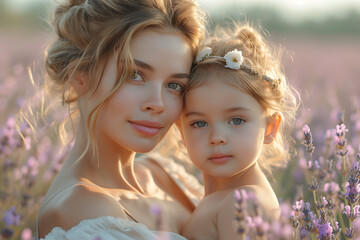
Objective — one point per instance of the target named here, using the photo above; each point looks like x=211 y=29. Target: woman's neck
x=111 y=166
x=251 y=176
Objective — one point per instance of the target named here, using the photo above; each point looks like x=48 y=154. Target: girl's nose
x=217 y=138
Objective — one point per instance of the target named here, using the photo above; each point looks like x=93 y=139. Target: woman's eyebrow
x=180 y=75
x=144 y=65
x=150 y=68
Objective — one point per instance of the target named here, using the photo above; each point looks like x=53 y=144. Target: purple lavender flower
x=308 y=140
x=314 y=186
x=308 y=215
x=331 y=188
x=298 y=206
x=349 y=232
x=240 y=196
x=324 y=228
x=336 y=228
x=11 y=217
x=240 y=212
x=322 y=204
x=281 y=231
x=304 y=233
x=352 y=188
x=341 y=130
x=261 y=226
x=306 y=129
x=340 y=140
x=354 y=214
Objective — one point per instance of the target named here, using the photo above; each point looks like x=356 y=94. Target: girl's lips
x=219 y=158
x=147 y=128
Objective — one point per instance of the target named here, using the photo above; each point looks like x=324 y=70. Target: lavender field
x=324 y=69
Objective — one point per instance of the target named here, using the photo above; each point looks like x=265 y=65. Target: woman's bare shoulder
x=75 y=204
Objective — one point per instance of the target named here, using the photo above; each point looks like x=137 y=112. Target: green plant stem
x=344 y=164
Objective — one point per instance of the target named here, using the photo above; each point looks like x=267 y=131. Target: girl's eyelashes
x=136 y=76
x=199 y=124
x=236 y=121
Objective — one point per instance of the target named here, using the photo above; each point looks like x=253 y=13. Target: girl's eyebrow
x=150 y=68
x=229 y=110
x=193 y=113
x=234 y=109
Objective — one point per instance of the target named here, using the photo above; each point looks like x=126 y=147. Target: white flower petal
x=206 y=51
x=234 y=59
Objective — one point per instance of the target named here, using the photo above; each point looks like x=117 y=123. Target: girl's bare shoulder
x=256 y=196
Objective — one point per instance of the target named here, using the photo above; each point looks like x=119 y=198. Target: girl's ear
x=79 y=82
x=272 y=127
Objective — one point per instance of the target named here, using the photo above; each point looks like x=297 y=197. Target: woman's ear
x=273 y=123
x=79 y=82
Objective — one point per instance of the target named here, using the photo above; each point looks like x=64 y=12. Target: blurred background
x=322 y=42
x=321 y=38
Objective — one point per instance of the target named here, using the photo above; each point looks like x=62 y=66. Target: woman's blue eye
x=175 y=86
x=199 y=124
x=236 y=121
x=136 y=76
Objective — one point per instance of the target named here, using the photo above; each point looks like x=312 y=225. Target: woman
x=123 y=64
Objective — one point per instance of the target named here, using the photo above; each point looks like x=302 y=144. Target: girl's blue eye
x=199 y=124
x=236 y=121
x=176 y=86
x=136 y=76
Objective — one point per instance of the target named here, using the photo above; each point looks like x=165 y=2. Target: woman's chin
x=144 y=148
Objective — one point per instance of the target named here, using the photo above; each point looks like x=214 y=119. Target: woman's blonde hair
x=276 y=96
x=89 y=32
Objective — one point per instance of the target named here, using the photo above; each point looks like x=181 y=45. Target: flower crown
x=233 y=59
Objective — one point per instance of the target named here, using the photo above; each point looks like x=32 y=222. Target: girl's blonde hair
x=89 y=32
x=276 y=96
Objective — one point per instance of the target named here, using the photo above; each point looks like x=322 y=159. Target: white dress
x=111 y=228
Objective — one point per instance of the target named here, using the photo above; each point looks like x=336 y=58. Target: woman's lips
x=146 y=128
x=219 y=158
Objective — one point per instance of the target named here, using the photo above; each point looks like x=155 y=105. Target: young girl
x=122 y=65
x=237 y=105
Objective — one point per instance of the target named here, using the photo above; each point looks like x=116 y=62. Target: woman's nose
x=154 y=101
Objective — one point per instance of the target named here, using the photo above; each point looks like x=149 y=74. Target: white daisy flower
x=234 y=59
x=205 y=52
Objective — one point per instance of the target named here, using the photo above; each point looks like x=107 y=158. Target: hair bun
x=246 y=34
x=70 y=22
x=254 y=43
